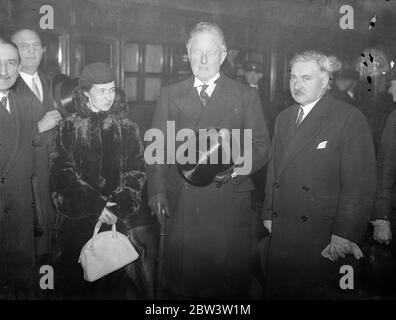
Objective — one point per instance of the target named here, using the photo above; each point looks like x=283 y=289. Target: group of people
x=61 y=173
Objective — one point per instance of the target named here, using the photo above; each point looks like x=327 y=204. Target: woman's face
x=101 y=96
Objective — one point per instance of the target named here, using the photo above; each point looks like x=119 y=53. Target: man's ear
x=325 y=80
x=223 y=56
x=188 y=53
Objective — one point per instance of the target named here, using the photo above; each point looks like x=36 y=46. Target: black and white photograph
x=223 y=152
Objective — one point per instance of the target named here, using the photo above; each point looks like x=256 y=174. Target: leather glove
x=107 y=216
x=268 y=225
x=340 y=247
x=159 y=206
x=382 y=231
x=222 y=179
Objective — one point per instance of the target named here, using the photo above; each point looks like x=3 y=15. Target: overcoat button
x=275 y=214
x=304 y=218
x=305 y=188
x=276 y=185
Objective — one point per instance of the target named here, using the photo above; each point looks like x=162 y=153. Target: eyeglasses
x=104 y=92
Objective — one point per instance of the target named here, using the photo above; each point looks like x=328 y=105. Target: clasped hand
x=159 y=206
x=107 y=216
x=340 y=247
x=382 y=231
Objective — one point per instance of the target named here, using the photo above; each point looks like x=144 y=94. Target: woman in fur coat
x=97 y=174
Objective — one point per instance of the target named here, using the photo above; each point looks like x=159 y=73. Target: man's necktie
x=3 y=103
x=35 y=88
x=203 y=96
x=300 y=117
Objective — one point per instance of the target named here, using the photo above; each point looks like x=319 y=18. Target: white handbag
x=106 y=252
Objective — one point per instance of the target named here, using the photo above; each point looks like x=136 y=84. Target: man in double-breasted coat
x=207 y=246
x=33 y=85
x=320 y=186
x=17 y=258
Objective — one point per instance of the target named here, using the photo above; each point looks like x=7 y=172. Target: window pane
x=52 y=58
x=180 y=60
x=131 y=57
x=95 y=51
x=152 y=89
x=130 y=88
x=153 y=58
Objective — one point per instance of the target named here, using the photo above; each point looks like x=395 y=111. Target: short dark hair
x=205 y=26
x=12 y=44
x=26 y=29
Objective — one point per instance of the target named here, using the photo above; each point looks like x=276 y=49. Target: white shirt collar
x=28 y=77
x=308 y=107
x=29 y=81
x=211 y=82
x=4 y=94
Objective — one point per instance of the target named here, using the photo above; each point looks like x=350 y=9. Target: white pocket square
x=322 y=145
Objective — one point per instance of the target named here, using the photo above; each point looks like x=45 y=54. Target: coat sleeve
x=386 y=170
x=133 y=177
x=260 y=141
x=358 y=179
x=269 y=183
x=158 y=172
x=72 y=196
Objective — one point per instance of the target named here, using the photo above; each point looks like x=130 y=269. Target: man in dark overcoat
x=208 y=241
x=17 y=255
x=320 y=186
x=33 y=85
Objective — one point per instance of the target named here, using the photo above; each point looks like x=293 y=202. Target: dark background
x=144 y=40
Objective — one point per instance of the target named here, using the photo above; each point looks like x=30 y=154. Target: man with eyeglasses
x=34 y=86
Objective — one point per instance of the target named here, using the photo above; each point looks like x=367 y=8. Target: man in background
x=33 y=85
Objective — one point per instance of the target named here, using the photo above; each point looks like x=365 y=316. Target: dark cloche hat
x=95 y=73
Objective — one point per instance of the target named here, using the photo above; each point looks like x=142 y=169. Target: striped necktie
x=3 y=103
x=203 y=96
x=35 y=88
x=300 y=117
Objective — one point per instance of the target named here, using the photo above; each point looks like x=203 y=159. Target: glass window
x=153 y=58
x=152 y=87
x=131 y=58
x=130 y=88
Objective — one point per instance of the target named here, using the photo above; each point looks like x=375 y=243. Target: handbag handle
x=96 y=230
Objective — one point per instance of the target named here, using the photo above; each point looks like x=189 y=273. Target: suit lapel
x=188 y=102
x=35 y=103
x=219 y=105
x=290 y=125
x=18 y=147
x=47 y=100
x=306 y=132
